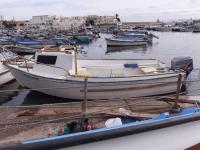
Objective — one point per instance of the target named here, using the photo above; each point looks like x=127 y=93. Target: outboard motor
x=182 y=63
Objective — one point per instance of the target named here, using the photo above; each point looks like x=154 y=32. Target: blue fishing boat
x=5 y=40
x=125 y=41
x=81 y=39
x=158 y=133
x=41 y=43
x=147 y=36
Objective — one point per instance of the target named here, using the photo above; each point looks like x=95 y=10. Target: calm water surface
x=168 y=46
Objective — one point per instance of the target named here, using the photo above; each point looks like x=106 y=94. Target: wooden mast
x=75 y=61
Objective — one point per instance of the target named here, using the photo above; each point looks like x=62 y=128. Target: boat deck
x=102 y=68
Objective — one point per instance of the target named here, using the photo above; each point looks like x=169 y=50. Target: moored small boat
x=137 y=34
x=62 y=75
x=124 y=41
x=196 y=30
x=22 y=50
x=144 y=134
x=5 y=40
x=41 y=43
x=81 y=39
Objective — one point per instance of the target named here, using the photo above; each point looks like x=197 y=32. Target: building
x=1 y=18
x=196 y=23
x=106 y=20
x=101 y=20
x=54 y=22
x=66 y=23
x=1 y=22
x=20 y=24
x=42 y=22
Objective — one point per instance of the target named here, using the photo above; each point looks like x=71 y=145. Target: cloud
x=128 y=9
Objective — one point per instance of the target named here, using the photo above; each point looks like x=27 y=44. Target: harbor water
x=168 y=46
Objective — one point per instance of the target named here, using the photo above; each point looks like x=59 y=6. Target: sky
x=128 y=10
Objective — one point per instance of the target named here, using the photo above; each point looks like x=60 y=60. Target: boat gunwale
x=4 y=72
x=148 y=121
x=131 y=39
x=173 y=74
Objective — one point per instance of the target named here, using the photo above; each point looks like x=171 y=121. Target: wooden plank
x=143 y=115
x=194 y=147
x=138 y=115
x=181 y=101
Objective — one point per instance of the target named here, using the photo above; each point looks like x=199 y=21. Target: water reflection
x=36 y=98
x=6 y=96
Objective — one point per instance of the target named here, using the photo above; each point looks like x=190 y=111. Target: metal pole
x=85 y=104
x=178 y=89
x=75 y=61
x=26 y=65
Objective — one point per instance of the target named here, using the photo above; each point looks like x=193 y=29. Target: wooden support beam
x=85 y=103
x=178 y=89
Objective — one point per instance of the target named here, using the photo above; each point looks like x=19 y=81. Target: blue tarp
x=131 y=65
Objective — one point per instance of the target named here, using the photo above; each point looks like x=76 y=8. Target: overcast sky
x=129 y=10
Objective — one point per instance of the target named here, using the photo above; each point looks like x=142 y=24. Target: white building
x=102 y=20
x=106 y=20
x=43 y=22
x=1 y=18
x=66 y=23
x=53 y=22
x=1 y=21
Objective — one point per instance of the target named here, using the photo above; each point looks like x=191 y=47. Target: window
x=50 y=60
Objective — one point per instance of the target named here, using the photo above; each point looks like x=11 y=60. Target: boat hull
x=39 y=46
x=161 y=139
x=23 y=50
x=98 y=88
x=82 y=40
x=111 y=42
x=5 y=75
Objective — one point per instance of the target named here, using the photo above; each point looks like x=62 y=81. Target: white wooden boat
x=167 y=131
x=5 y=75
x=125 y=42
x=134 y=35
x=22 y=49
x=62 y=75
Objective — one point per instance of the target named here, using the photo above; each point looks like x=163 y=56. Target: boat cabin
x=63 y=64
x=54 y=63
